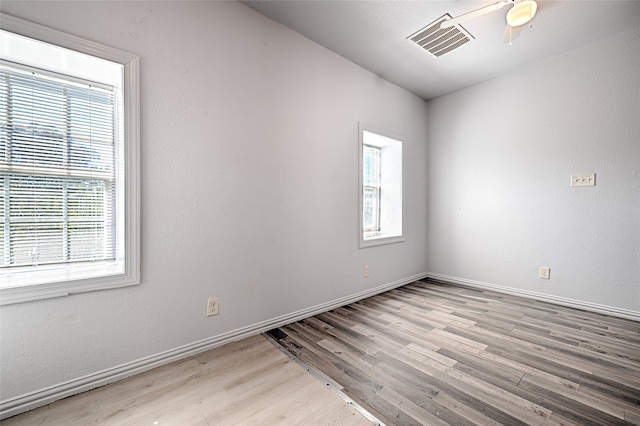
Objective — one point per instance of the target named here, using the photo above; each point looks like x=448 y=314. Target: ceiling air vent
x=439 y=41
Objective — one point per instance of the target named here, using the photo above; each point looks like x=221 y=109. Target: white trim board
x=20 y=404
x=572 y=303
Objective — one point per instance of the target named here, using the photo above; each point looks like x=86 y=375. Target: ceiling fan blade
x=511 y=33
x=475 y=13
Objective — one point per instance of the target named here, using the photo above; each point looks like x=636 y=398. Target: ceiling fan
x=521 y=12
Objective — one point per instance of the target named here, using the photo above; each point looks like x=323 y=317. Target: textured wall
x=500 y=158
x=249 y=186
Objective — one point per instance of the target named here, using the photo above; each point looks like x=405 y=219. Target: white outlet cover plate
x=212 y=306
x=544 y=272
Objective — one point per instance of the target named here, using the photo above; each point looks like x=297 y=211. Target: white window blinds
x=57 y=169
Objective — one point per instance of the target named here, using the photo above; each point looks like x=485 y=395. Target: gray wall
x=500 y=158
x=249 y=187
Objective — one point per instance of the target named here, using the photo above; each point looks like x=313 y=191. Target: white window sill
x=380 y=240
x=18 y=287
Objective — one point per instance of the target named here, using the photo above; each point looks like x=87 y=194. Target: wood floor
x=244 y=383
x=427 y=353
x=437 y=354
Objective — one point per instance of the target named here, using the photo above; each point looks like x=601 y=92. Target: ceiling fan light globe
x=521 y=13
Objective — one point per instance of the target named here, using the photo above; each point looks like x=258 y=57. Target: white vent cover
x=439 y=41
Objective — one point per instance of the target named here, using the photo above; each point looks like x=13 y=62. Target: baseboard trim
x=29 y=401
x=572 y=303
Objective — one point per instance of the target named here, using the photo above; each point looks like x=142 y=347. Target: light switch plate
x=583 y=180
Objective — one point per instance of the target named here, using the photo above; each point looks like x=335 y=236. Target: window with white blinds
x=69 y=196
x=57 y=169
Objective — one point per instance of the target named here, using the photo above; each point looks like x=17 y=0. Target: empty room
x=320 y=212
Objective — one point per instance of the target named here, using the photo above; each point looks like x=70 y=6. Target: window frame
x=388 y=192
x=130 y=275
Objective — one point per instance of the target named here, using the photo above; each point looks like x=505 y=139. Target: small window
x=68 y=164
x=380 y=188
x=371 y=188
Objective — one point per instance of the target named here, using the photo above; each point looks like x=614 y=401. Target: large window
x=380 y=188
x=68 y=164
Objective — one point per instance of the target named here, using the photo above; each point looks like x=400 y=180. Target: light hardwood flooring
x=249 y=382
x=438 y=354
x=427 y=353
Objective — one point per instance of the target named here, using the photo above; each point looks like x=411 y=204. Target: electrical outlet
x=365 y=273
x=544 y=272
x=212 y=306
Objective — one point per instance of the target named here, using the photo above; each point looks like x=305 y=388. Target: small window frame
x=391 y=187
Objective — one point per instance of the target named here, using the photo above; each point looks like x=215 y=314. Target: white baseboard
x=578 y=304
x=20 y=404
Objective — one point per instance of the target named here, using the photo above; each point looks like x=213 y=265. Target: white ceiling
x=373 y=34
